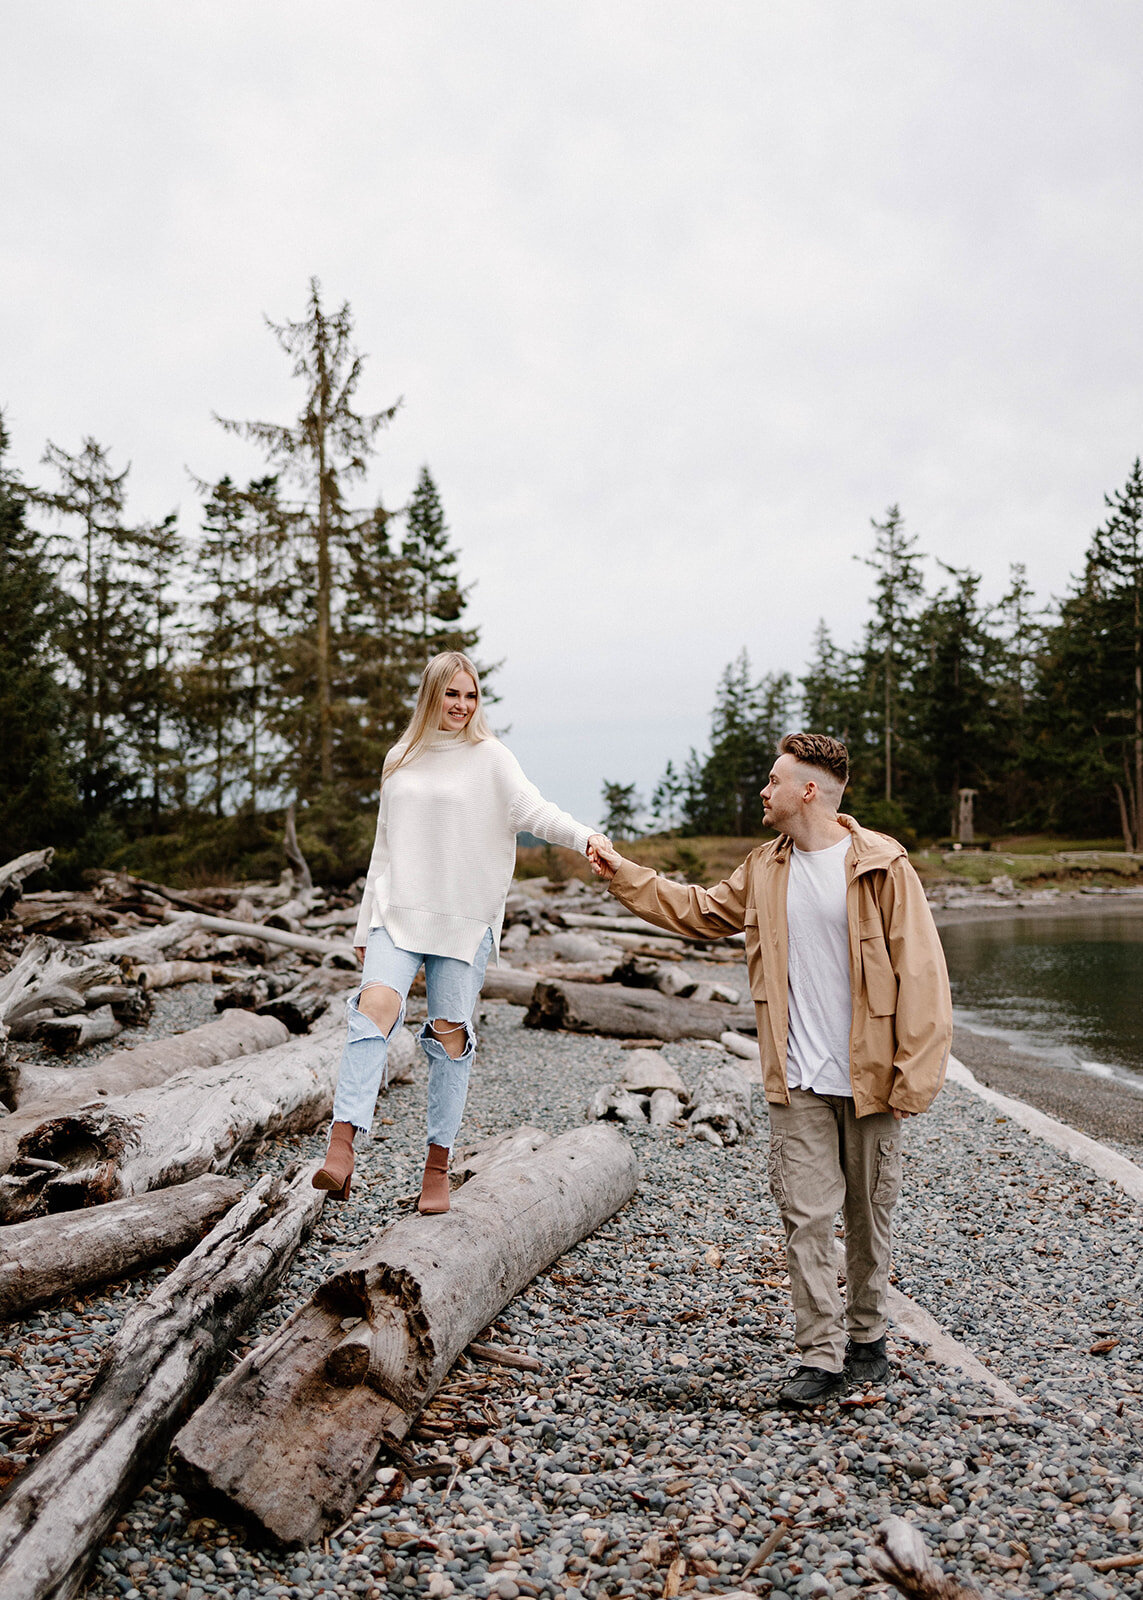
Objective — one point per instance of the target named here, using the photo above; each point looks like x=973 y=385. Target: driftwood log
x=631 y=1013
x=290 y=1442
x=50 y=1256
x=13 y=873
x=198 y=1121
x=159 y=1362
x=508 y=983
x=301 y=1006
x=902 y=1560
x=44 y=968
x=40 y=1092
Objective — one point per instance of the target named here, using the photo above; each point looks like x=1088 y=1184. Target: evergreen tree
x=1090 y=722
x=667 y=799
x=747 y=721
x=621 y=805
x=327 y=448
x=381 y=654
x=888 y=654
x=152 y=691
x=98 y=634
x=953 y=712
x=438 y=599
x=828 y=691
x=38 y=803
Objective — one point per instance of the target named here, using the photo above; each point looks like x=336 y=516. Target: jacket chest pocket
x=752 y=937
x=877 y=970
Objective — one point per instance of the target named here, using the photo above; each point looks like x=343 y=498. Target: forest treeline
x=164 y=691
x=1039 y=711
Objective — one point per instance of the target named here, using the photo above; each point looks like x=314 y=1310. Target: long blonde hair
x=426 y=718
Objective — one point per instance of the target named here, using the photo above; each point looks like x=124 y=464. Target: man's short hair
x=818 y=750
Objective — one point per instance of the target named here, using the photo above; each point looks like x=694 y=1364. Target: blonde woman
x=453 y=799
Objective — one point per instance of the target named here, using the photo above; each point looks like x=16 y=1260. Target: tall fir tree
x=99 y=634
x=38 y=802
x=437 y=595
x=888 y=654
x=327 y=448
x=380 y=653
x=151 y=720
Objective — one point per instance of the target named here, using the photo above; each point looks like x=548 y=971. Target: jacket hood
x=870 y=850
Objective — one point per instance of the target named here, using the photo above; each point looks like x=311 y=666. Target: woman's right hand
x=359 y=952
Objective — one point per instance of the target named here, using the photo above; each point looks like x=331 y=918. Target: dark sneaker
x=866 y=1363
x=810 y=1386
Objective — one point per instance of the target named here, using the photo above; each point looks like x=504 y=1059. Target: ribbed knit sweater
x=446 y=845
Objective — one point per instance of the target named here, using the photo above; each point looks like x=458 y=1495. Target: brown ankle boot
x=434 y=1185
x=338 y=1169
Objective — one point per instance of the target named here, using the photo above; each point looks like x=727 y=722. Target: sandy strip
x=1107 y=1163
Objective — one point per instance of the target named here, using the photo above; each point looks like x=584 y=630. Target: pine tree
x=953 y=712
x=327 y=448
x=380 y=654
x=98 y=635
x=667 y=799
x=621 y=805
x=152 y=691
x=1090 y=725
x=438 y=599
x=890 y=638
x=747 y=721
x=828 y=693
x=38 y=803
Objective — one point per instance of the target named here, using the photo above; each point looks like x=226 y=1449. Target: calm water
x=1070 y=988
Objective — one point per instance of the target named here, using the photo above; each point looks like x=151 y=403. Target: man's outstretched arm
x=680 y=907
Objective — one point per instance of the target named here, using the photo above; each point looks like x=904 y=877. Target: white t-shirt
x=821 y=1006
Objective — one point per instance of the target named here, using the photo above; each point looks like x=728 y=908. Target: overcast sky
x=677 y=297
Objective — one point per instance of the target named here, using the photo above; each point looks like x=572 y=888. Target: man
x=854 y=1028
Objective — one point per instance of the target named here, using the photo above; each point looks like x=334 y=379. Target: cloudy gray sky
x=678 y=296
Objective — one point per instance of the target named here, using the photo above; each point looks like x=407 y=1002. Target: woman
x=453 y=799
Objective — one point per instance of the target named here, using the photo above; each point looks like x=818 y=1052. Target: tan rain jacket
x=901 y=1033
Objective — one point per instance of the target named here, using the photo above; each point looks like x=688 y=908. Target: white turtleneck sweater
x=446 y=845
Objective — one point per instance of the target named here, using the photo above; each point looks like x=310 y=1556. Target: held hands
x=603 y=855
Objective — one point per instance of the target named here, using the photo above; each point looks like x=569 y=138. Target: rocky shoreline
x=647 y=1457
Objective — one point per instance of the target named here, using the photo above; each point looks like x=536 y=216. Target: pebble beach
x=647 y=1458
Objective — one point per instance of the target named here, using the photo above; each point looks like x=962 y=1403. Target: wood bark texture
x=59 y=1511
x=196 y=1122
x=631 y=1013
x=50 y=1256
x=291 y=1450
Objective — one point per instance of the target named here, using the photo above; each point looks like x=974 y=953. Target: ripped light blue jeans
x=452 y=988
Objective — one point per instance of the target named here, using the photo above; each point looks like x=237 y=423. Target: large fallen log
x=198 y=1121
x=508 y=983
x=234 y=1033
x=50 y=1256
x=600 y=923
x=13 y=873
x=260 y=930
x=169 y=1347
x=626 y=1013
x=290 y=1443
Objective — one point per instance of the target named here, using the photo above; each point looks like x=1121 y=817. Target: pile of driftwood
x=651 y=1090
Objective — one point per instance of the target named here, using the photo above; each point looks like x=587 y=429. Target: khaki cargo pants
x=824 y=1159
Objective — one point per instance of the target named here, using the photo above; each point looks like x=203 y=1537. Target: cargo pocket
x=887 y=1175
x=777 y=1170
